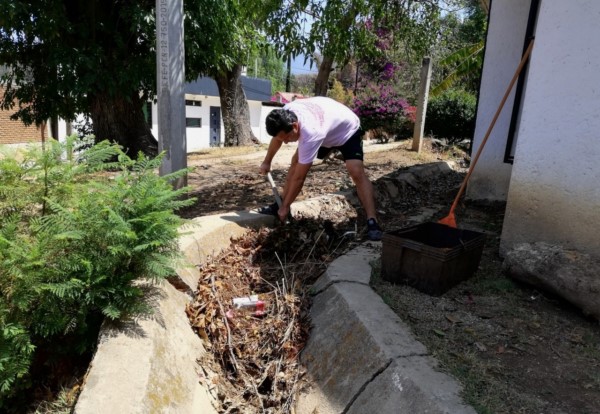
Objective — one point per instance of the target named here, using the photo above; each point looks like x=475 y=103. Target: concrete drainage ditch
x=360 y=357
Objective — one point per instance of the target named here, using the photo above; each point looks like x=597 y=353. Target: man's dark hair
x=280 y=120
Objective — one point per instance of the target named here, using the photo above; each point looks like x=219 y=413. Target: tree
x=303 y=83
x=98 y=59
x=332 y=34
x=230 y=35
x=70 y=57
x=340 y=94
x=463 y=58
x=340 y=29
x=266 y=64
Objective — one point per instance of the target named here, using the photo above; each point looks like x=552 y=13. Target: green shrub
x=451 y=115
x=78 y=232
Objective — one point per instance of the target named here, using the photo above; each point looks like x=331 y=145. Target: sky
x=299 y=68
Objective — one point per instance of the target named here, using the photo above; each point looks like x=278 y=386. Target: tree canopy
x=58 y=52
x=97 y=58
x=341 y=30
x=226 y=33
x=67 y=57
x=81 y=57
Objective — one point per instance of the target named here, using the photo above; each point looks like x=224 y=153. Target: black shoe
x=270 y=210
x=374 y=232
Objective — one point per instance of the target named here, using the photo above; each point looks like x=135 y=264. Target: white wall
x=263 y=136
x=504 y=47
x=62 y=127
x=197 y=138
x=255 y=114
x=555 y=187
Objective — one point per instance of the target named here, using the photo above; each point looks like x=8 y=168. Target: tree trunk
x=234 y=109
x=121 y=120
x=322 y=80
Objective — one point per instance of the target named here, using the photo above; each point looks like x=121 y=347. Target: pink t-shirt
x=324 y=122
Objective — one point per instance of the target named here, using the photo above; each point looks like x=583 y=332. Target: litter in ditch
x=251 y=309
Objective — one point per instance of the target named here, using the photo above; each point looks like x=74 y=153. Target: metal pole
x=422 y=105
x=170 y=80
x=288 y=76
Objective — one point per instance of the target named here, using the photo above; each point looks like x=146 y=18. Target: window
x=192 y=103
x=193 y=122
x=147 y=110
x=511 y=144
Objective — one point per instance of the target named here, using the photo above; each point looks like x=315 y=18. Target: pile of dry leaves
x=257 y=349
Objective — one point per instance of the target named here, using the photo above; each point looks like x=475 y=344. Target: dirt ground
x=514 y=349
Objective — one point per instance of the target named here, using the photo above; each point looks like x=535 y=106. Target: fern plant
x=79 y=235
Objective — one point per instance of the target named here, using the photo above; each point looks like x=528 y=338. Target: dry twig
x=224 y=316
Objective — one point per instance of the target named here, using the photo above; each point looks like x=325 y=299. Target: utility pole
x=170 y=80
x=288 y=78
x=422 y=105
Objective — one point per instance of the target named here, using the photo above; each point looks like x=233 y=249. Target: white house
x=543 y=155
x=203 y=111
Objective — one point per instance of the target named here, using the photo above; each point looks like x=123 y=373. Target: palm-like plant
x=466 y=61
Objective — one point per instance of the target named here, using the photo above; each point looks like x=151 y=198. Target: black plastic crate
x=431 y=257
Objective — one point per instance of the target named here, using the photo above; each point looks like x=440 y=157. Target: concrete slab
x=148 y=365
x=335 y=207
x=410 y=385
x=353 y=267
x=361 y=357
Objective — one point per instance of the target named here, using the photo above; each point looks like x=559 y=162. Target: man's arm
x=274 y=146
x=293 y=184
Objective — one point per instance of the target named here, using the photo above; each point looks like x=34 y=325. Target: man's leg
x=364 y=188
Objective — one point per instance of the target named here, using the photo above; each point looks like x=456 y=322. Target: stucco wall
x=199 y=138
x=554 y=192
x=504 y=47
x=264 y=136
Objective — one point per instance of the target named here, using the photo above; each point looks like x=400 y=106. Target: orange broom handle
x=487 y=134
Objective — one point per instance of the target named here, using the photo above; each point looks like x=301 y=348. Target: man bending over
x=319 y=125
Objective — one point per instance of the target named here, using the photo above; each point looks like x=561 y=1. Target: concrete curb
x=383 y=369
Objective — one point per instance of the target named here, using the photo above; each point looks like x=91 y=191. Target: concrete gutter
x=150 y=365
x=361 y=357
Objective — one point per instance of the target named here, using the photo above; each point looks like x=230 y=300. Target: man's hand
x=283 y=213
x=265 y=167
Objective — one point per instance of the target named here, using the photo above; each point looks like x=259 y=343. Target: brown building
x=15 y=132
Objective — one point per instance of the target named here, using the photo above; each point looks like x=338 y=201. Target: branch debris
x=258 y=355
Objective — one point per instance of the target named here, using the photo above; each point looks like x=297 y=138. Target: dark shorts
x=351 y=150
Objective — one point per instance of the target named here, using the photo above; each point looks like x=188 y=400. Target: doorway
x=215 y=126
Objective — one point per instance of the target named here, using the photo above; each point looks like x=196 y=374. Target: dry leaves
x=258 y=355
